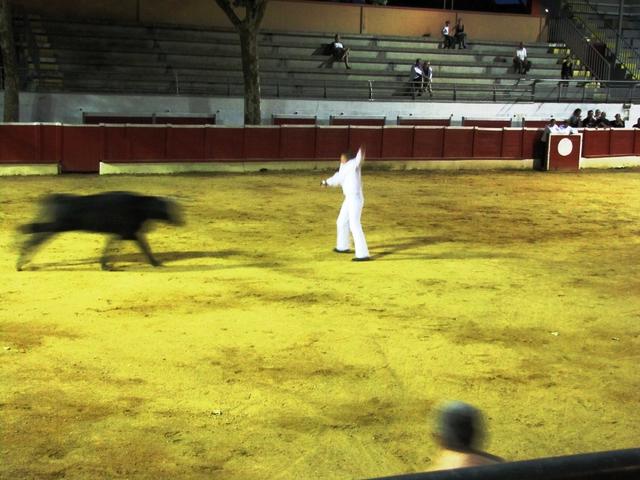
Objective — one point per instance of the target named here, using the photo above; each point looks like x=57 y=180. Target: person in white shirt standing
x=349 y=177
x=447 y=39
x=417 y=79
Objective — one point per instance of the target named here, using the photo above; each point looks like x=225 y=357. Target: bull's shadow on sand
x=136 y=261
x=402 y=250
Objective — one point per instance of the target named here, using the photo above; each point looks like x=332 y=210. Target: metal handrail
x=627 y=56
x=563 y=30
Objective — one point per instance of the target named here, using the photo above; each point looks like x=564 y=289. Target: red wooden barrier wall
x=596 y=143
x=480 y=122
x=295 y=120
x=298 y=142
x=512 y=143
x=424 y=122
x=397 y=142
x=428 y=142
x=487 y=143
x=81 y=148
x=458 y=142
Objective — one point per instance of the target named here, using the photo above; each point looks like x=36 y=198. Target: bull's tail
x=49 y=206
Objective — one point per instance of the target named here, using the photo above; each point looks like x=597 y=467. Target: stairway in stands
x=599 y=20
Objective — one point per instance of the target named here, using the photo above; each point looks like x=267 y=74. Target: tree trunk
x=10 y=64
x=251 y=74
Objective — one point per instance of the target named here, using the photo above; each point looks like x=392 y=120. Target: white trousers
x=349 y=220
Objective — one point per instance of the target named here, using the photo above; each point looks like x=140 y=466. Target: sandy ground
x=256 y=352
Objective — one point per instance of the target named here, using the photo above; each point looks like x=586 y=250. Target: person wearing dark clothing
x=417 y=78
x=459 y=434
x=618 y=122
x=602 y=121
x=338 y=52
x=575 y=120
x=460 y=36
x=590 y=121
x=427 y=76
x=566 y=72
x=637 y=125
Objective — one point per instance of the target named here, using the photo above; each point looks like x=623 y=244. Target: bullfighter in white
x=350 y=179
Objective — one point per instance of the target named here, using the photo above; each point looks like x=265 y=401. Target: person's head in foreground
x=459 y=433
x=345 y=157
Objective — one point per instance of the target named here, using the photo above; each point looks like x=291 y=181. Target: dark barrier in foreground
x=611 y=465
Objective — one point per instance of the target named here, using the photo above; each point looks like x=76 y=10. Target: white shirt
x=445 y=30
x=521 y=53
x=549 y=129
x=416 y=72
x=349 y=177
x=338 y=45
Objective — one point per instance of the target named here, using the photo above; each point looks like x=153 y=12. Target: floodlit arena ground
x=257 y=352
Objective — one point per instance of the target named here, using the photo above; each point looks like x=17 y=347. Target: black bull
x=122 y=215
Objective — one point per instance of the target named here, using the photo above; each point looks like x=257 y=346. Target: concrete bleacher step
x=100 y=56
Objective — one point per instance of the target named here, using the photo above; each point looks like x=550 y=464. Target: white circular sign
x=565 y=147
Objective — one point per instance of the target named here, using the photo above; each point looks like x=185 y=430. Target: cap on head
x=459 y=426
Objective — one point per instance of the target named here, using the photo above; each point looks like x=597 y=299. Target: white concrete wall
x=68 y=108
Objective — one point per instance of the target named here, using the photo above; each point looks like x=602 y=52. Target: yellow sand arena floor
x=256 y=352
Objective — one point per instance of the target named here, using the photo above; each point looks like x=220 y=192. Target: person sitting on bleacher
x=521 y=63
x=637 y=125
x=459 y=432
x=340 y=52
x=447 y=39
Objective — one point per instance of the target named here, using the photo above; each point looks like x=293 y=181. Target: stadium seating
x=94 y=56
x=601 y=17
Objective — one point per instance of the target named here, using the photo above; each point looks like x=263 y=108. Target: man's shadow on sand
x=400 y=250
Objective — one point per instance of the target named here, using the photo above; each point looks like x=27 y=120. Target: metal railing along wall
x=625 y=53
x=540 y=90
x=611 y=465
x=562 y=30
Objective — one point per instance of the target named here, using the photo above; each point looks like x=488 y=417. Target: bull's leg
x=29 y=247
x=106 y=253
x=144 y=246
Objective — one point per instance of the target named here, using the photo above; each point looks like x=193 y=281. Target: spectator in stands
x=417 y=78
x=618 y=122
x=603 y=121
x=459 y=433
x=590 y=121
x=566 y=71
x=551 y=127
x=338 y=52
x=521 y=63
x=427 y=76
x=447 y=39
x=597 y=114
x=459 y=34
x=574 y=120
x=637 y=125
